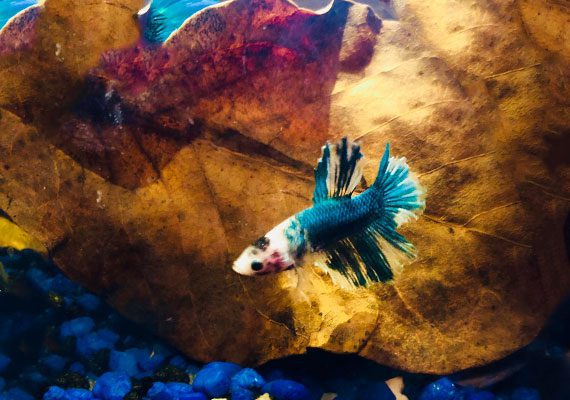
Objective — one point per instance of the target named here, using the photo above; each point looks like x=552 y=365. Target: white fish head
x=269 y=254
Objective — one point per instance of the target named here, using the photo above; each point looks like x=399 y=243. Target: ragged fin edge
x=378 y=253
x=338 y=171
x=403 y=195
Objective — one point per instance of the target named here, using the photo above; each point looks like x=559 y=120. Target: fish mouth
x=240 y=271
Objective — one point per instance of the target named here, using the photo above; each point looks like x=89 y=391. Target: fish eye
x=262 y=243
x=256 y=266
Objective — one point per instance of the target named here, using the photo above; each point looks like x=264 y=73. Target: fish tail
x=377 y=252
x=153 y=22
x=401 y=197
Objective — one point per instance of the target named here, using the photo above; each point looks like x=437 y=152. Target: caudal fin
x=377 y=252
x=402 y=196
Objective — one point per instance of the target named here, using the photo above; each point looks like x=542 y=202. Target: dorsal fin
x=338 y=171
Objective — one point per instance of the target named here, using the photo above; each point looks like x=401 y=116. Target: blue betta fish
x=9 y=8
x=159 y=18
x=356 y=235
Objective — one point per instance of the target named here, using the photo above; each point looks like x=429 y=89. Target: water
x=143 y=149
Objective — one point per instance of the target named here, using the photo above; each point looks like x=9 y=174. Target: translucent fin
x=365 y=258
x=338 y=171
x=403 y=198
x=378 y=252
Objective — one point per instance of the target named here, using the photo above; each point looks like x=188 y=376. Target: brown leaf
x=146 y=170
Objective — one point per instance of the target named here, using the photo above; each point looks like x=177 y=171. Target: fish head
x=271 y=253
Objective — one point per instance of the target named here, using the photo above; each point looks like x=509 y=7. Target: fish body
x=331 y=220
x=356 y=235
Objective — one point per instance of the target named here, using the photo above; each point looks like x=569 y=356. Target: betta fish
x=158 y=19
x=356 y=235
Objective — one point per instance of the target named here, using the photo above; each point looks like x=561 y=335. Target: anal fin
x=376 y=254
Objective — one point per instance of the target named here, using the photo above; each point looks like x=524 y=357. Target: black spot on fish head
x=262 y=243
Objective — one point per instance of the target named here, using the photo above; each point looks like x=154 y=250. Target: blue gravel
x=215 y=378
x=283 y=389
x=112 y=386
x=77 y=327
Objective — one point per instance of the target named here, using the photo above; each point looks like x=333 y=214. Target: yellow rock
x=14 y=237
x=396 y=385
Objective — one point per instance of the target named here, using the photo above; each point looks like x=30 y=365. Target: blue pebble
x=376 y=390
x=95 y=341
x=112 y=386
x=283 y=389
x=54 y=362
x=108 y=335
x=88 y=302
x=178 y=362
x=39 y=279
x=194 y=396
x=159 y=391
x=246 y=385
x=524 y=393
x=34 y=380
x=16 y=394
x=54 y=393
x=442 y=389
x=62 y=285
x=172 y=391
x=248 y=378
x=78 y=368
x=240 y=393
x=215 y=378
x=150 y=361
x=76 y=327
x=159 y=348
x=146 y=360
x=180 y=391
x=4 y=362
x=192 y=369
x=78 y=394
x=124 y=362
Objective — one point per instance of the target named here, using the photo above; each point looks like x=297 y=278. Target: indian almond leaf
x=220 y=130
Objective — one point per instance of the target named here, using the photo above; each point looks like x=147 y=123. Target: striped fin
x=367 y=257
x=338 y=171
x=403 y=198
x=378 y=252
